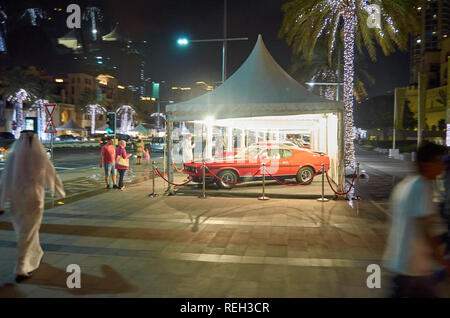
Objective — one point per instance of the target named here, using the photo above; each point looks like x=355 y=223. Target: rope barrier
x=295 y=184
x=161 y=176
x=178 y=170
x=341 y=193
x=228 y=182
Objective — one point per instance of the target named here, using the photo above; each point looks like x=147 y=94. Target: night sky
x=161 y=22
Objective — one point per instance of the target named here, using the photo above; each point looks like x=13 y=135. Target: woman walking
x=122 y=162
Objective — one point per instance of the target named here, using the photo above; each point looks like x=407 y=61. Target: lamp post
x=224 y=40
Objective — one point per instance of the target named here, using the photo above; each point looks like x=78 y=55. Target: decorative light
x=18 y=98
x=35 y=14
x=93 y=13
x=334 y=10
x=94 y=109
x=59 y=80
x=126 y=120
x=39 y=106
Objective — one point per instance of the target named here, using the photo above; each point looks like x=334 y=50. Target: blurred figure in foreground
x=27 y=172
x=444 y=206
x=412 y=253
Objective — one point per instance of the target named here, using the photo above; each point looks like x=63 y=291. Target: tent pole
x=168 y=150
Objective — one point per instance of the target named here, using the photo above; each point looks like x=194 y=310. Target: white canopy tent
x=261 y=96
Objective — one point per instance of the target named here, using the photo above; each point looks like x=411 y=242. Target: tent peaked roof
x=260 y=81
x=70 y=125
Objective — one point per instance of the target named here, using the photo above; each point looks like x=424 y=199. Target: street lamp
x=183 y=41
x=224 y=40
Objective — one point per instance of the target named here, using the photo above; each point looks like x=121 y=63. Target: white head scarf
x=27 y=168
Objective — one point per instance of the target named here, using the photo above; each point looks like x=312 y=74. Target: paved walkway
x=130 y=245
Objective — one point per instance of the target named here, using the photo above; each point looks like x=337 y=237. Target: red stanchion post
x=153 y=194
x=357 y=197
x=323 y=199
x=203 y=195
x=263 y=197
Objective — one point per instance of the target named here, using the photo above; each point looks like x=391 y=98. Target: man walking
x=107 y=159
x=412 y=252
x=27 y=173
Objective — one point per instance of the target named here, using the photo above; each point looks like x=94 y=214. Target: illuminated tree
x=18 y=86
x=307 y=21
x=93 y=14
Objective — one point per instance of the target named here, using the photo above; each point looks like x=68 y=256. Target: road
x=78 y=159
x=383 y=174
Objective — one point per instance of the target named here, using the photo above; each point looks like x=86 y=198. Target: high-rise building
x=426 y=45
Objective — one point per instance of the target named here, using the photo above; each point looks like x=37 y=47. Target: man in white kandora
x=26 y=174
x=187 y=149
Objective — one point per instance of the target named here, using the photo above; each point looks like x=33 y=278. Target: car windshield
x=159 y=140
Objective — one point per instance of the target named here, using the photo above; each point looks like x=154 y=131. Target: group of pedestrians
x=112 y=159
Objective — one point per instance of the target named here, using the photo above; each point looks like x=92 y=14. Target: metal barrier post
x=323 y=199
x=357 y=197
x=263 y=197
x=203 y=195
x=153 y=194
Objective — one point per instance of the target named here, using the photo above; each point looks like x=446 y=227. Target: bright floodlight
x=183 y=41
x=209 y=121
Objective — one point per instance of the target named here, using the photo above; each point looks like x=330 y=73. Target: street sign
x=50 y=108
x=50 y=128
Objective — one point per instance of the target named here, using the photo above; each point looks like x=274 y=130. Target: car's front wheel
x=229 y=176
x=304 y=175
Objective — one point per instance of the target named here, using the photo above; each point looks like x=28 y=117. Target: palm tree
x=44 y=91
x=18 y=86
x=320 y=69
x=90 y=104
x=307 y=21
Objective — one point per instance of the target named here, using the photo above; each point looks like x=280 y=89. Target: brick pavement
x=130 y=245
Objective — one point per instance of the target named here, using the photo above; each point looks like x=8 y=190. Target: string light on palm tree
x=126 y=113
x=95 y=110
x=93 y=14
x=35 y=15
x=306 y=21
x=3 y=30
x=18 y=98
x=39 y=107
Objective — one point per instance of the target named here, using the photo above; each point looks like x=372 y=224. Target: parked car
x=125 y=137
x=157 y=144
x=283 y=162
x=66 y=138
x=6 y=141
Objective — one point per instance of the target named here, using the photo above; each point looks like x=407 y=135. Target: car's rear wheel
x=229 y=176
x=305 y=174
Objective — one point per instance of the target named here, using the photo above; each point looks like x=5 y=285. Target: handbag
x=122 y=161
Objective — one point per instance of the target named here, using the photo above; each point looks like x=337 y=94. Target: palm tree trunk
x=92 y=119
x=19 y=117
x=349 y=47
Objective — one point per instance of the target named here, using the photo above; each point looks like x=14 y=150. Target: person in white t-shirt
x=412 y=253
